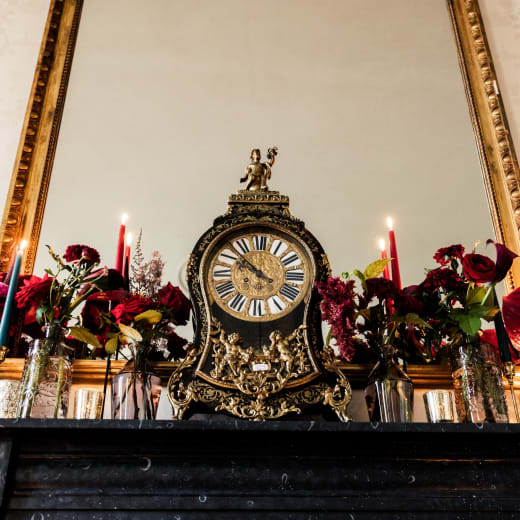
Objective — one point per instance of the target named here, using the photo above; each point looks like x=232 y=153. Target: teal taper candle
x=9 y=301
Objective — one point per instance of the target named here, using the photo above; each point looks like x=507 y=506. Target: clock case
x=306 y=380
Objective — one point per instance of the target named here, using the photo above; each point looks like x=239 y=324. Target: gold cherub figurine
x=257 y=173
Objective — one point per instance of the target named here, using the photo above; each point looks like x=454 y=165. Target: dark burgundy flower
x=445 y=254
x=34 y=292
x=381 y=287
x=504 y=261
x=440 y=278
x=176 y=345
x=129 y=308
x=407 y=301
x=173 y=299
x=479 y=268
x=4 y=288
x=80 y=252
x=91 y=314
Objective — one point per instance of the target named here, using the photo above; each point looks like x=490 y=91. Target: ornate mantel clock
x=258 y=351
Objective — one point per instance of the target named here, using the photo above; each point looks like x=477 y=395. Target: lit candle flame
x=23 y=245
x=389 y=223
x=129 y=238
x=124 y=218
x=382 y=244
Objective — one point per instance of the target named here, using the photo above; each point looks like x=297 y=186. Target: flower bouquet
x=139 y=328
x=49 y=303
x=456 y=298
x=370 y=320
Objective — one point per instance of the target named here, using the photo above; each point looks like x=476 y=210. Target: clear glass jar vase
x=389 y=393
x=136 y=390
x=47 y=377
x=477 y=382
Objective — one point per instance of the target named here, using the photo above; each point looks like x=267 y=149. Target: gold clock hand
x=250 y=266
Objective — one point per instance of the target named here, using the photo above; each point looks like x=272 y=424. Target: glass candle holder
x=88 y=403
x=439 y=406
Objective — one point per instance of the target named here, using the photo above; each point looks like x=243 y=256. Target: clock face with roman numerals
x=258 y=274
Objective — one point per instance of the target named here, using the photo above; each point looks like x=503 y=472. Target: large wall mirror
x=365 y=100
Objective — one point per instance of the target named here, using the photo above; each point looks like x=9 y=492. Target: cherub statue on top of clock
x=258 y=173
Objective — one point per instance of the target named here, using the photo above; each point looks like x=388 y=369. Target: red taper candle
x=126 y=268
x=386 y=272
x=121 y=245
x=396 y=274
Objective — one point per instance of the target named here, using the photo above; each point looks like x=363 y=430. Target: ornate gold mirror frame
x=25 y=205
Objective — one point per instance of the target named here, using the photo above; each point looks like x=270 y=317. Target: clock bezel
x=209 y=259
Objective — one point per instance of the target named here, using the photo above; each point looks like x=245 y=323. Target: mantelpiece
x=273 y=470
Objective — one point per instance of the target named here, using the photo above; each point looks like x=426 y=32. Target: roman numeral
x=227 y=257
x=294 y=276
x=256 y=308
x=278 y=247
x=289 y=292
x=290 y=259
x=276 y=305
x=221 y=272
x=225 y=289
x=243 y=245
x=237 y=302
x=260 y=242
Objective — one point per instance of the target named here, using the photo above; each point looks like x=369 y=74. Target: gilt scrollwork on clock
x=259 y=373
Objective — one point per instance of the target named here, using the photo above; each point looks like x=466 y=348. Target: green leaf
x=111 y=345
x=374 y=269
x=468 y=322
x=130 y=333
x=475 y=295
x=150 y=316
x=360 y=275
x=84 y=335
x=345 y=275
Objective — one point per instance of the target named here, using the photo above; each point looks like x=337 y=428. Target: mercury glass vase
x=477 y=382
x=47 y=377
x=389 y=393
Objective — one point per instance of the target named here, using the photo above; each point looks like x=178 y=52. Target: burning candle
x=9 y=301
x=127 y=257
x=121 y=244
x=396 y=275
x=386 y=272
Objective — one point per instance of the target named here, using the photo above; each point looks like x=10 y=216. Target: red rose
x=173 y=299
x=79 y=252
x=34 y=292
x=479 y=268
x=128 y=309
x=444 y=255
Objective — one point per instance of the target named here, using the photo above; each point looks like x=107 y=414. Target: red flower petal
x=511 y=316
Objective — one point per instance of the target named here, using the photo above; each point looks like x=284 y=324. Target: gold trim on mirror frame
x=25 y=204
x=495 y=145
x=27 y=195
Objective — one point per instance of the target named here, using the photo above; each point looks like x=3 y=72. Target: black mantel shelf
x=64 y=469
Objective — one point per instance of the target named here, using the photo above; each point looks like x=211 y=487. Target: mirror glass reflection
x=364 y=100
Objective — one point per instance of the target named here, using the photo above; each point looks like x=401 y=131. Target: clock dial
x=258 y=275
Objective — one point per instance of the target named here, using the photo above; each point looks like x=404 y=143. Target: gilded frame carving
x=25 y=204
